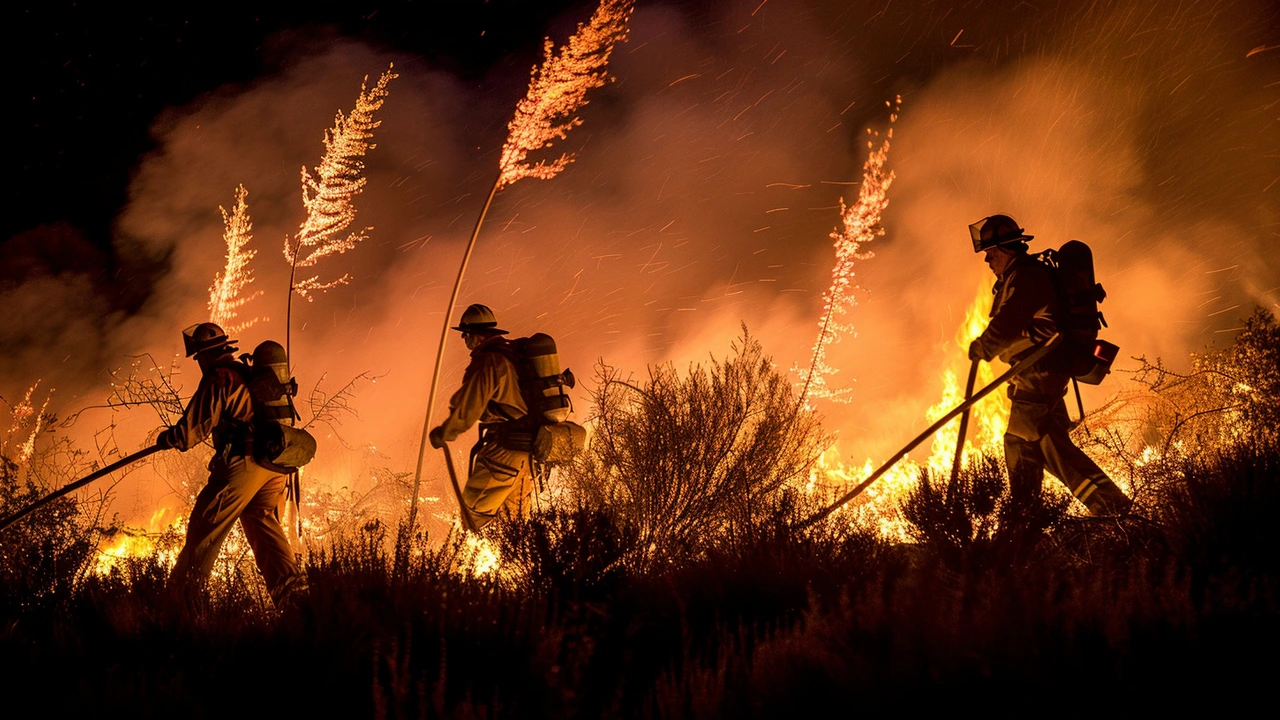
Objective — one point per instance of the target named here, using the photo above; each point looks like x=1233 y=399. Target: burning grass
x=757 y=617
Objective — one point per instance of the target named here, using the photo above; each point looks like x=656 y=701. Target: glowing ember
x=860 y=224
x=328 y=195
x=482 y=556
x=224 y=296
x=557 y=91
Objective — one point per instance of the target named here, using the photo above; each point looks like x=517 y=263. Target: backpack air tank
x=540 y=349
x=271 y=384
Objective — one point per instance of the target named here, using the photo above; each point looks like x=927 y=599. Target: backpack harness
x=545 y=432
x=270 y=437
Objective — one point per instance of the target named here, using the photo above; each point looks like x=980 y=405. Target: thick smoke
x=707 y=180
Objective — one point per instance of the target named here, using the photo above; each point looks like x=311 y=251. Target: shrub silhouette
x=692 y=459
x=43 y=555
x=975 y=524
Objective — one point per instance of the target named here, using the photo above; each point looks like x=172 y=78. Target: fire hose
x=1040 y=351
x=467 y=522
x=964 y=428
x=122 y=462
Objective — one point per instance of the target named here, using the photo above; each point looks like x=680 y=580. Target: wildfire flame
x=879 y=504
x=329 y=194
x=120 y=544
x=859 y=225
x=989 y=418
x=482 y=556
x=557 y=91
x=224 y=295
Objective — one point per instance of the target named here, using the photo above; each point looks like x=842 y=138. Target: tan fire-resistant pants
x=1038 y=438
x=500 y=481
x=240 y=489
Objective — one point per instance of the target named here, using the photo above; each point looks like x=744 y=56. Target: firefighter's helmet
x=479 y=320
x=205 y=336
x=996 y=230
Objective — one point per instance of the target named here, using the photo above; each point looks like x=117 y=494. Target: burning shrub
x=1247 y=374
x=972 y=523
x=1230 y=394
x=690 y=460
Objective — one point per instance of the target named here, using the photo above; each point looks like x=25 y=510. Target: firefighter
x=500 y=479
x=238 y=488
x=1025 y=313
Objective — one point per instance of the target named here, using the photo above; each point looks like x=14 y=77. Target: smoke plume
x=707 y=181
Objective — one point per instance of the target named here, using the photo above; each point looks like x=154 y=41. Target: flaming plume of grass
x=26 y=421
x=329 y=195
x=225 y=300
x=557 y=91
x=860 y=224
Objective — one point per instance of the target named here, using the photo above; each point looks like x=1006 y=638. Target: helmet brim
x=480 y=330
x=227 y=347
x=980 y=245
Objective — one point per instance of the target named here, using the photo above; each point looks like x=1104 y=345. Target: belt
x=508 y=436
x=1028 y=396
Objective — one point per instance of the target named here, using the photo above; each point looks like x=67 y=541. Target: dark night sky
x=92 y=77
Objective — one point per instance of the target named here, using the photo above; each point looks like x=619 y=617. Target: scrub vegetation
x=635 y=596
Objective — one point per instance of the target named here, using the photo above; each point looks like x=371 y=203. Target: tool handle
x=1040 y=351
x=467 y=522
x=71 y=487
x=964 y=429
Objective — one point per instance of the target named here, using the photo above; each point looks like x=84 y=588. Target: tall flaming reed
x=330 y=193
x=557 y=92
x=224 y=295
x=28 y=421
x=860 y=224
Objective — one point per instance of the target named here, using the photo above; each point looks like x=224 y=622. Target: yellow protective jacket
x=490 y=392
x=221 y=407
x=1022 y=314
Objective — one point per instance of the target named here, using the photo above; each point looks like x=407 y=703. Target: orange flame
x=879 y=504
x=557 y=91
x=124 y=543
x=328 y=196
x=224 y=295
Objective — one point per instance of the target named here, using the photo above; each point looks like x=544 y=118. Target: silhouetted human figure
x=500 y=478
x=238 y=488
x=1025 y=313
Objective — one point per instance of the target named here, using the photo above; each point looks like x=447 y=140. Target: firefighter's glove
x=437 y=438
x=164 y=440
x=977 y=352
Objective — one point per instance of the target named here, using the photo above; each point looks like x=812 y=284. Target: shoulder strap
x=241 y=368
